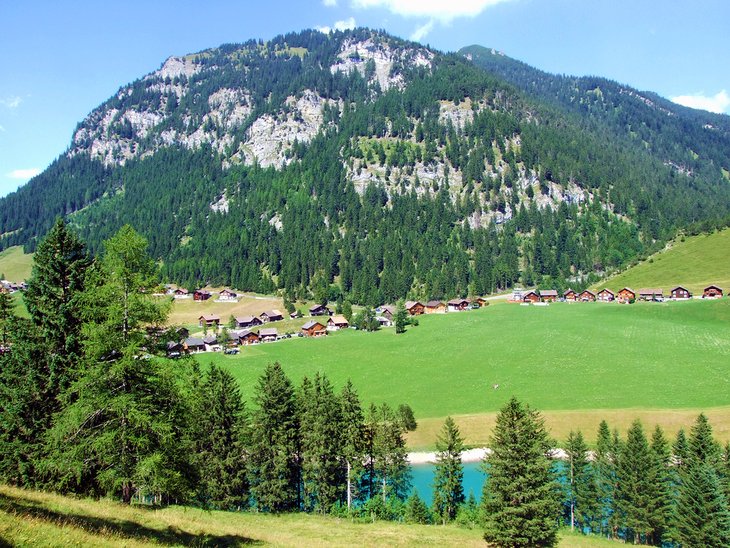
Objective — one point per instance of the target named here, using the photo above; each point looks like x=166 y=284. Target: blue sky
x=59 y=60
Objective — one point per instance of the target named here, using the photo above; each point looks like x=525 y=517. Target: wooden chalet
x=712 y=292
x=435 y=307
x=530 y=297
x=387 y=311
x=605 y=295
x=650 y=294
x=626 y=295
x=335 y=323
x=227 y=295
x=247 y=322
x=587 y=296
x=383 y=321
x=211 y=343
x=180 y=293
x=570 y=295
x=247 y=337
x=548 y=295
x=210 y=320
x=415 y=308
x=268 y=334
x=458 y=305
x=319 y=310
x=480 y=301
x=201 y=295
x=314 y=329
x=680 y=292
x=174 y=349
x=194 y=344
x=271 y=316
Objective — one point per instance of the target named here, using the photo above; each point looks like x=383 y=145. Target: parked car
x=231 y=351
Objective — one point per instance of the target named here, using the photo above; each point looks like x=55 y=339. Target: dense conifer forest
x=435 y=180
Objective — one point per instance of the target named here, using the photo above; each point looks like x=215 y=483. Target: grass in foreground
x=33 y=518
x=694 y=263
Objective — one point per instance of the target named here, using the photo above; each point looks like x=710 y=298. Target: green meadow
x=694 y=263
x=565 y=357
x=15 y=265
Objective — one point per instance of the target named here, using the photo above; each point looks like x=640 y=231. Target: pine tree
x=387 y=453
x=448 y=489
x=416 y=510
x=702 y=515
x=221 y=434
x=352 y=431
x=661 y=510
x=274 y=469
x=635 y=487
x=6 y=317
x=521 y=497
x=581 y=485
x=401 y=317
x=123 y=428
x=605 y=467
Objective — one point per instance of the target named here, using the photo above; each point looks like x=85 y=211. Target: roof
x=588 y=291
x=310 y=324
x=411 y=304
x=713 y=286
x=650 y=291
x=568 y=291
x=210 y=339
x=246 y=319
x=246 y=333
x=270 y=313
x=317 y=307
x=202 y=291
x=194 y=341
x=388 y=308
x=606 y=290
x=210 y=318
x=458 y=301
x=548 y=293
x=529 y=293
x=228 y=292
x=268 y=332
x=680 y=287
x=628 y=289
x=182 y=290
x=434 y=304
x=339 y=320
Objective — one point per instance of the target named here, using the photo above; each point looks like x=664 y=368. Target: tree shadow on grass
x=172 y=536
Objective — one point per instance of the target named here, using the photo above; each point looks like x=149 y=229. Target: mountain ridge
x=384 y=159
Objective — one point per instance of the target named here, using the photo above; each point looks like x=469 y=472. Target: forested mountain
x=361 y=165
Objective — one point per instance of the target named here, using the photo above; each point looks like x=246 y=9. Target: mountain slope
x=362 y=166
x=693 y=262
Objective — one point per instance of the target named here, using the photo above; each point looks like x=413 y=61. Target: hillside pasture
x=16 y=265
x=567 y=358
x=694 y=263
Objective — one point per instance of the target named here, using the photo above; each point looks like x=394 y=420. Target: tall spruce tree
x=321 y=445
x=605 y=468
x=702 y=516
x=448 y=488
x=124 y=429
x=221 y=434
x=387 y=453
x=635 y=487
x=52 y=298
x=661 y=510
x=521 y=496
x=352 y=431
x=274 y=465
x=580 y=485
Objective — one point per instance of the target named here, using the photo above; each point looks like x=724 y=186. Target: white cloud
x=11 y=102
x=24 y=173
x=421 y=32
x=441 y=10
x=330 y=3
x=718 y=103
x=345 y=24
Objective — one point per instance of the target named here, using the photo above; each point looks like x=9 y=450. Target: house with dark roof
x=271 y=316
x=458 y=305
x=605 y=295
x=201 y=295
x=587 y=296
x=626 y=295
x=319 y=310
x=548 y=295
x=712 y=292
x=530 y=297
x=194 y=344
x=314 y=329
x=268 y=334
x=227 y=295
x=415 y=308
x=247 y=322
x=247 y=337
x=679 y=292
x=570 y=295
x=651 y=294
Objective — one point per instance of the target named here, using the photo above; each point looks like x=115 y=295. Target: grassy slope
x=567 y=357
x=15 y=264
x=695 y=263
x=31 y=518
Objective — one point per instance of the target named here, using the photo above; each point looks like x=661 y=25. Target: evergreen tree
x=520 y=495
x=387 y=453
x=605 y=466
x=321 y=444
x=448 y=489
x=220 y=434
x=351 y=431
x=123 y=428
x=6 y=317
x=580 y=486
x=661 y=510
x=401 y=317
x=274 y=468
x=416 y=510
x=635 y=487
x=702 y=516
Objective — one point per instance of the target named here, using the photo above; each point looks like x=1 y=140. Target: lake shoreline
x=429 y=457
